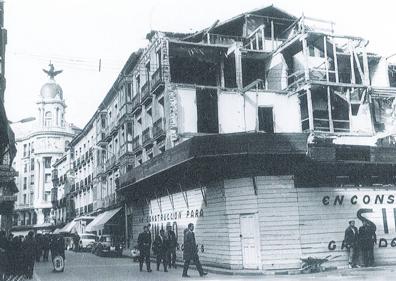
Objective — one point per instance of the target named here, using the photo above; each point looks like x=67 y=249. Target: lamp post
x=24 y=120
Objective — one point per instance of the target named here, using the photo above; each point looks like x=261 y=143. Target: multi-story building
x=7 y=143
x=39 y=146
x=63 y=180
x=266 y=131
x=84 y=188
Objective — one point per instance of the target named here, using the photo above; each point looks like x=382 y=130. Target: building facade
x=84 y=188
x=266 y=132
x=7 y=143
x=39 y=147
x=261 y=130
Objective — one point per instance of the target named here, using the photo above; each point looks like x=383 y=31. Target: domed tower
x=51 y=106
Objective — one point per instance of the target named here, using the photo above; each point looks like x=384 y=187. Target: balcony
x=156 y=83
x=146 y=94
x=147 y=136
x=159 y=128
x=136 y=145
x=136 y=102
x=101 y=137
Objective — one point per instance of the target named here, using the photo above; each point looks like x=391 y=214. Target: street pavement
x=88 y=267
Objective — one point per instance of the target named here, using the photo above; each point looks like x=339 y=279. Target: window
x=148 y=71
x=129 y=91
x=31 y=164
x=67 y=145
x=47 y=162
x=265 y=119
x=48 y=119
x=47 y=178
x=47 y=196
x=24 y=150
x=32 y=179
x=138 y=84
x=207 y=109
x=24 y=199
x=24 y=182
x=25 y=166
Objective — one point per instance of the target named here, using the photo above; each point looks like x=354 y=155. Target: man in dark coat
x=367 y=238
x=190 y=251
x=57 y=246
x=172 y=245
x=46 y=246
x=160 y=248
x=39 y=247
x=4 y=255
x=351 y=243
x=30 y=247
x=144 y=244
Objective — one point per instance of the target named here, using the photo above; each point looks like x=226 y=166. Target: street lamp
x=24 y=120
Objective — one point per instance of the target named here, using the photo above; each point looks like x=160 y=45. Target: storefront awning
x=20 y=232
x=101 y=220
x=69 y=228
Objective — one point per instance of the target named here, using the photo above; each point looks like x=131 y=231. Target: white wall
x=187 y=110
x=379 y=74
x=231 y=112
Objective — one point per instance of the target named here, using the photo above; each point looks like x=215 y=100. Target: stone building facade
x=40 y=144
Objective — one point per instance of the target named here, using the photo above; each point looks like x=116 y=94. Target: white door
x=249 y=238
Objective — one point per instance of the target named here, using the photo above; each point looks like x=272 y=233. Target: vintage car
x=87 y=241
x=107 y=245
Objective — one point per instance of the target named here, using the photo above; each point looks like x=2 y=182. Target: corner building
x=39 y=145
x=267 y=132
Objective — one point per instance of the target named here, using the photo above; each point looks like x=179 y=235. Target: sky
x=75 y=34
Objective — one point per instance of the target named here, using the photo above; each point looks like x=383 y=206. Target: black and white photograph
x=197 y=140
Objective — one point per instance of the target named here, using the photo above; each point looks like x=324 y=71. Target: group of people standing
x=18 y=254
x=360 y=241
x=164 y=247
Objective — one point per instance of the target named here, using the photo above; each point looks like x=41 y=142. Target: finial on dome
x=52 y=72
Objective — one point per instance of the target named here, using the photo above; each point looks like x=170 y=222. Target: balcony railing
x=146 y=91
x=136 y=145
x=147 y=135
x=136 y=102
x=159 y=128
x=156 y=80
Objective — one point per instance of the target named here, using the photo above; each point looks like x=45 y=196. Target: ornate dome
x=51 y=90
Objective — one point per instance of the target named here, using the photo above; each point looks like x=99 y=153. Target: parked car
x=87 y=241
x=107 y=245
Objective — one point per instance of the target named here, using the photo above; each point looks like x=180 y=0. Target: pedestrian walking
x=58 y=257
x=46 y=246
x=160 y=248
x=144 y=244
x=4 y=256
x=351 y=243
x=190 y=252
x=367 y=239
x=39 y=247
x=30 y=248
x=172 y=245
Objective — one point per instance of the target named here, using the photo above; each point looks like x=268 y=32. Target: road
x=88 y=267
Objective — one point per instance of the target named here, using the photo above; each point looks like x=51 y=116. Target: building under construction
x=268 y=131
